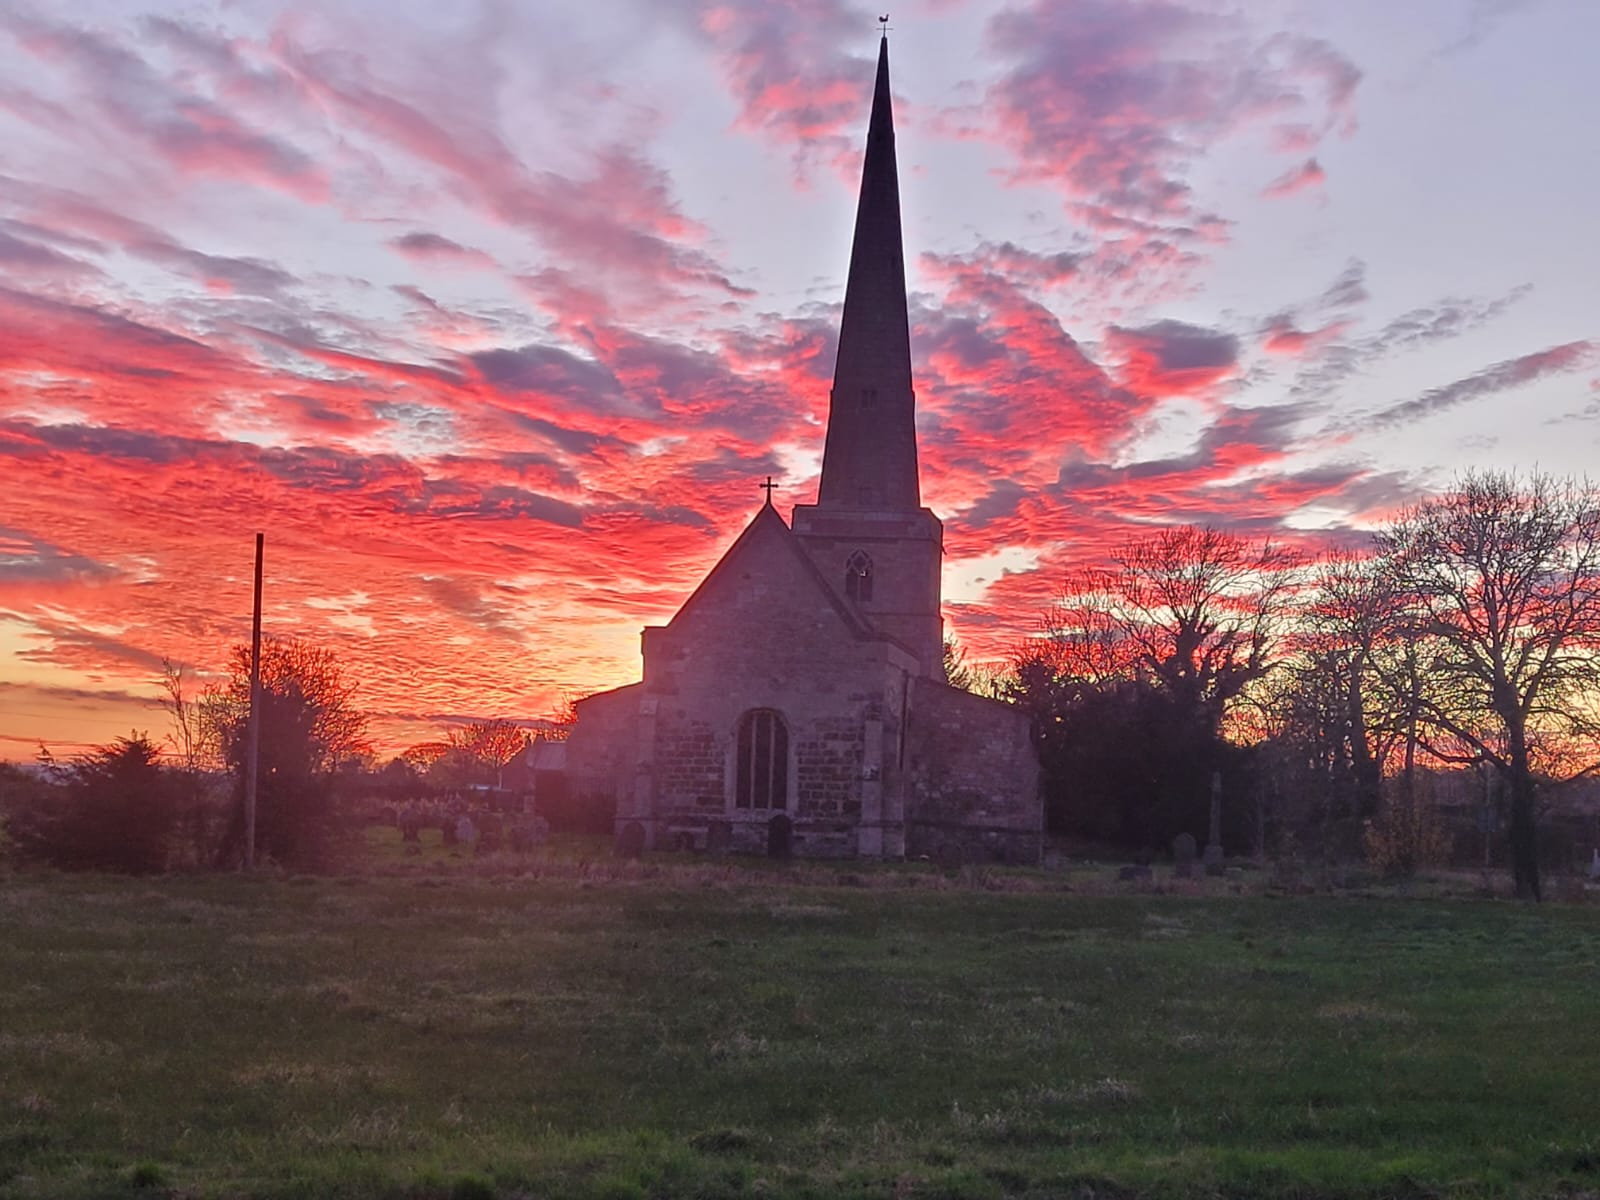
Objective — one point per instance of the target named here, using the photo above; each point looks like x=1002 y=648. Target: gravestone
x=1213 y=854
x=780 y=836
x=1594 y=864
x=491 y=828
x=466 y=831
x=719 y=836
x=1183 y=851
x=630 y=840
x=952 y=855
x=1132 y=873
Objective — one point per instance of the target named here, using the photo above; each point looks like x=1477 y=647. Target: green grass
x=654 y=1031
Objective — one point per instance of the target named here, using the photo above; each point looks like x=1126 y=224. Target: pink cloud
x=1304 y=177
x=1112 y=101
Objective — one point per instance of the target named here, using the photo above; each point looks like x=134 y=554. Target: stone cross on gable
x=768 y=486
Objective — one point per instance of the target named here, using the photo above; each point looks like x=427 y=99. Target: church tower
x=868 y=531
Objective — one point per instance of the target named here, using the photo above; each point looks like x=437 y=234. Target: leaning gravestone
x=1183 y=851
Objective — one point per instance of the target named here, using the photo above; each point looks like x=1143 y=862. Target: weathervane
x=883 y=24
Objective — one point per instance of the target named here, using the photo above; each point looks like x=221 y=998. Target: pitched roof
x=768 y=522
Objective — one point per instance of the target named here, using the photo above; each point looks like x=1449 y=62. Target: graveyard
x=565 y=1023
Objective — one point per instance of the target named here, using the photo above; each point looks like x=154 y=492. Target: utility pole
x=253 y=734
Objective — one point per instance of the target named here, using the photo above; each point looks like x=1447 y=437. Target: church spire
x=870 y=458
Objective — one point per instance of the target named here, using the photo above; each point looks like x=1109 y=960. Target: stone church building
x=797 y=702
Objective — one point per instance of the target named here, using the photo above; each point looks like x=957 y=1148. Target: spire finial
x=883 y=26
x=768 y=485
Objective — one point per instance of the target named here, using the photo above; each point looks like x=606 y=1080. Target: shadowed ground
x=655 y=1031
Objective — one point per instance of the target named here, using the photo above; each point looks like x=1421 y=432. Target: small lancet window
x=869 y=397
x=761 y=775
x=858 y=577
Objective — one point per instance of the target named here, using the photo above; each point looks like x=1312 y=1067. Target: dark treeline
x=140 y=805
x=1327 y=696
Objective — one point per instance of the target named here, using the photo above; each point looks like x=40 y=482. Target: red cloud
x=1170 y=358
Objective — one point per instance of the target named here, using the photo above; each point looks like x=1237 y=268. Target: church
x=797 y=702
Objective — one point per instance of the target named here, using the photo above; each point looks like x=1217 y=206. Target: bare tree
x=1330 y=717
x=1499 y=579
x=1195 y=610
x=1138 y=666
x=188 y=737
x=485 y=747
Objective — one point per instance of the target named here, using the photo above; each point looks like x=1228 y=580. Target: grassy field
x=646 y=1030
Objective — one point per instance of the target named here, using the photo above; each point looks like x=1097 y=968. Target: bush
x=1406 y=834
x=111 y=810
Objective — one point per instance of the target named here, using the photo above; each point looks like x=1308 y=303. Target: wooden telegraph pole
x=253 y=733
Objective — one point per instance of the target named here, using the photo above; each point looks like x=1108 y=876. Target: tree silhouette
x=1135 y=669
x=1500 y=580
x=309 y=727
x=112 y=811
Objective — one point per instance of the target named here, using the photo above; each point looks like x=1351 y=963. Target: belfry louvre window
x=858 y=576
x=761 y=778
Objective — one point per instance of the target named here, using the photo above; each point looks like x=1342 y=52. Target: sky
x=493 y=316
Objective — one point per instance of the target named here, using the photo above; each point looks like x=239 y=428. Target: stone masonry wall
x=602 y=750
x=762 y=634
x=974 y=779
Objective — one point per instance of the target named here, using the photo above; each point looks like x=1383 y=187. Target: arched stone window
x=761 y=773
x=858 y=576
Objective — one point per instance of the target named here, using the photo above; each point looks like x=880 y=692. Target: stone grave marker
x=780 y=836
x=1183 y=852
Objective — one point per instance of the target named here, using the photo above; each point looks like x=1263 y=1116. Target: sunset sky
x=493 y=315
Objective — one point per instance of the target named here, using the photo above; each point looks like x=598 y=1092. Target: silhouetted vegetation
x=310 y=728
x=1134 y=674
x=1329 y=700
x=112 y=809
